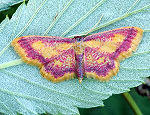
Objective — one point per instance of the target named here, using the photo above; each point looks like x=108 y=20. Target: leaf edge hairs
x=97 y=55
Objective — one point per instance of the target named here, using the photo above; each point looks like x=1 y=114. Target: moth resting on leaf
x=97 y=56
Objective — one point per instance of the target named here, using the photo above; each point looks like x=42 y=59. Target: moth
x=97 y=56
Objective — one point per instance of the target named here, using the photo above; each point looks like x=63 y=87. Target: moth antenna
x=96 y=24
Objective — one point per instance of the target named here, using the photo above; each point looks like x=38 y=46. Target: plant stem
x=132 y=103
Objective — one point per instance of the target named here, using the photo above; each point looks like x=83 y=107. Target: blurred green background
x=116 y=104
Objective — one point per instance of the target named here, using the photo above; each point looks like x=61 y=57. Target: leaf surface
x=24 y=90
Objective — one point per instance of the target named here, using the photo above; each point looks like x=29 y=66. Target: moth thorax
x=79 y=47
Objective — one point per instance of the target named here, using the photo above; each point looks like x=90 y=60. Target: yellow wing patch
x=48 y=51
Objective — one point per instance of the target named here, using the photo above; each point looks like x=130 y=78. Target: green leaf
x=5 y=4
x=24 y=90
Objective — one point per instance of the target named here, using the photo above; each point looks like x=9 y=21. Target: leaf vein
x=33 y=98
x=24 y=106
x=58 y=17
x=44 y=87
x=6 y=107
x=31 y=19
x=83 y=17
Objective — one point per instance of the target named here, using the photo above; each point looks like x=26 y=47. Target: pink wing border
x=134 y=44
